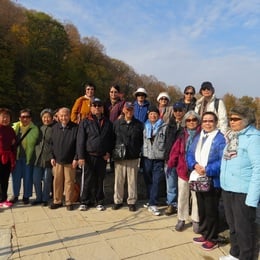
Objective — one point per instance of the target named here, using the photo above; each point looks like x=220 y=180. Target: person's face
x=191 y=123
x=113 y=93
x=97 y=109
x=47 y=119
x=129 y=113
x=236 y=123
x=163 y=101
x=64 y=116
x=153 y=117
x=5 y=119
x=178 y=113
x=140 y=97
x=89 y=91
x=25 y=118
x=208 y=123
x=206 y=92
x=189 y=94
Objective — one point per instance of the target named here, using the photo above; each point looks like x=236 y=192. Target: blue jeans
x=153 y=172
x=172 y=187
x=22 y=171
x=42 y=181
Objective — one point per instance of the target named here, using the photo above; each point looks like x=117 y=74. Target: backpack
x=216 y=103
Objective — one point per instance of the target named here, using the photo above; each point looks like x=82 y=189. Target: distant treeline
x=44 y=63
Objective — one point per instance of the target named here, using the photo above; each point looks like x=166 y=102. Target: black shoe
x=55 y=206
x=45 y=203
x=14 y=199
x=117 y=206
x=69 y=207
x=36 y=202
x=132 y=207
x=25 y=201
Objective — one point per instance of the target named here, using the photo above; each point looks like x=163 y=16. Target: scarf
x=152 y=129
x=191 y=134
x=202 y=151
x=232 y=145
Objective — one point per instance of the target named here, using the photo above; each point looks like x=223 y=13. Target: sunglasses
x=208 y=121
x=189 y=93
x=192 y=120
x=26 y=116
x=178 y=110
x=96 y=105
x=206 y=88
x=235 y=119
x=164 y=98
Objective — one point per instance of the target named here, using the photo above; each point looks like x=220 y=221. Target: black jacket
x=95 y=137
x=172 y=132
x=130 y=134
x=64 y=142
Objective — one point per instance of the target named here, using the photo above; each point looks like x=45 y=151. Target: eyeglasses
x=25 y=116
x=178 y=110
x=189 y=93
x=208 y=121
x=96 y=105
x=164 y=98
x=191 y=120
x=235 y=119
x=206 y=88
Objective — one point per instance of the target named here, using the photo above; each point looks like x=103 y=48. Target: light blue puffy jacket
x=242 y=173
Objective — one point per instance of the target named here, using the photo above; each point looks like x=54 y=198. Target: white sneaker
x=100 y=207
x=228 y=257
x=83 y=207
x=154 y=210
x=146 y=205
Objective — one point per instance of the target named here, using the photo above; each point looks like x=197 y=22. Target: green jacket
x=29 y=140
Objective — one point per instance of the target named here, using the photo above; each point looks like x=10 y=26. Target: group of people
x=178 y=143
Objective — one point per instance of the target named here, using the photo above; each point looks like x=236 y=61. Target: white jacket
x=221 y=113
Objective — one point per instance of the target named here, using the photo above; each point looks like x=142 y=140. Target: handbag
x=202 y=184
x=119 y=152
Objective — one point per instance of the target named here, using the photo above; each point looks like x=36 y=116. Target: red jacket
x=177 y=158
x=7 y=145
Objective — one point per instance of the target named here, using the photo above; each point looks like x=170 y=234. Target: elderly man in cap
x=154 y=157
x=209 y=102
x=172 y=132
x=94 y=145
x=129 y=134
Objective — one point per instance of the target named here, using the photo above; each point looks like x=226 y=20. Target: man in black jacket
x=94 y=145
x=64 y=159
x=129 y=132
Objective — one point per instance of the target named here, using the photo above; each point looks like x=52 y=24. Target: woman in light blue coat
x=240 y=181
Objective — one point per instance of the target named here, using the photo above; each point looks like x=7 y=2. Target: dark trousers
x=208 y=213
x=4 y=179
x=153 y=172
x=92 y=190
x=242 y=226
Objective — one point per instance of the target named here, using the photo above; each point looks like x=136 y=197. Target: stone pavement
x=36 y=232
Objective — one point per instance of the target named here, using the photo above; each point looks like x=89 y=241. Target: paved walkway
x=36 y=232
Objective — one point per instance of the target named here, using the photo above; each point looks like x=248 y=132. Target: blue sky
x=179 y=42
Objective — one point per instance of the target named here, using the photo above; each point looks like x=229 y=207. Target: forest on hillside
x=44 y=63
